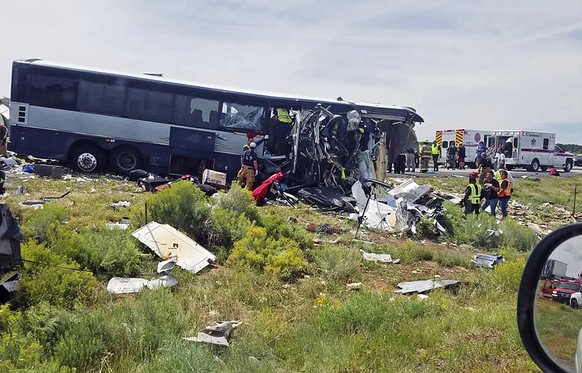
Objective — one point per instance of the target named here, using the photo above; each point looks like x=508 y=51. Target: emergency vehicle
x=532 y=150
x=470 y=139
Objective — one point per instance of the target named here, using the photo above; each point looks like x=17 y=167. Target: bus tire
x=87 y=158
x=568 y=166
x=124 y=159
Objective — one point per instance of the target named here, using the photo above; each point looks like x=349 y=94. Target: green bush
x=240 y=201
x=259 y=252
x=337 y=263
x=517 y=236
x=117 y=252
x=367 y=312
x=475 y=230
x=53 y=278
x=19 y=350
x=507 y=276
x=134 y=329
x=42 y=224
x=278 y=227
x=227 y=226
x=183 y=206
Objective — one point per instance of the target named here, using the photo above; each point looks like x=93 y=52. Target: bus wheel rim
x=87 y=161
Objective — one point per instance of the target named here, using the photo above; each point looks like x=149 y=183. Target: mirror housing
x=527 y=295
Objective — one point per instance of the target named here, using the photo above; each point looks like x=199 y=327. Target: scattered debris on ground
x=423 y=286
x=218 y=334
x=383 y=258
x=165 y=241
x=487 y=260
x=122 y=285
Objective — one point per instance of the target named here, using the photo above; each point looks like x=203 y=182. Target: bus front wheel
x=87 y=158
x=125 y=159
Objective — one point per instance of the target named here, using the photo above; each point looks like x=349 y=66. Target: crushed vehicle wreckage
x=337 y=161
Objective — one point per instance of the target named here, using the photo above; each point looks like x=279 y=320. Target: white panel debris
x=423 y=285
x=217 y=334
x=167 y=242
x=384 y=258
x=487 y=260
x=121 y=285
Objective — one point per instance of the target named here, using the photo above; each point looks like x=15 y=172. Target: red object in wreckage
x=262 y=190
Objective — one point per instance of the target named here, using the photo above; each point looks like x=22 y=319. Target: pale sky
x=461 y=64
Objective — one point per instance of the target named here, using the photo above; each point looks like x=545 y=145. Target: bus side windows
x=195 y=112
x=53 y=91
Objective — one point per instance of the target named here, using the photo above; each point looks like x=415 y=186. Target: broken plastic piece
x=384 y=258
x=487 y=260
x=423 y=285
x=217 y=334
x=121 y=285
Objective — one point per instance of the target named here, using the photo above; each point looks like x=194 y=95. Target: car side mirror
x=549 y=317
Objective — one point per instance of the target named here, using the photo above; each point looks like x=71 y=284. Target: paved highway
x=518 y=172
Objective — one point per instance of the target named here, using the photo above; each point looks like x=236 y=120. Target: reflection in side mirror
x=550 y=299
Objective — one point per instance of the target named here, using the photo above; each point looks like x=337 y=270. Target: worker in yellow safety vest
x=279 y=130
x=435 y=151
x=283 y=116
x=424 y=156
x=473 y=196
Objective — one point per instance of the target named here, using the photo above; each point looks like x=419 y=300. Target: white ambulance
x=470 y=139
x=532 y=150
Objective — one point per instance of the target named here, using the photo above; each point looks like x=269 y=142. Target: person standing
x=485 y=165
x=462 y=155
x=425 y=153
x=504 y=193
x=451 y=156
x=473 y=196
x=410 y=163
x=481 y=149
x=490 y=187
x=500 y=160
x=3 y=139
x=249 y=167
x=508 y=148
x=435 y=151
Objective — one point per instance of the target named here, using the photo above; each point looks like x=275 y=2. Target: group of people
x=495 y=189
x=455 y=156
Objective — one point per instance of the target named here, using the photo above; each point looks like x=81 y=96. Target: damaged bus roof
x=376 y=111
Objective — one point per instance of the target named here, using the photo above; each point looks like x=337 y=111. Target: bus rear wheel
x=125 y=159
x=87 y=159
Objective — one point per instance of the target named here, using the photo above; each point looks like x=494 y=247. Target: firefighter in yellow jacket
x=425 y=153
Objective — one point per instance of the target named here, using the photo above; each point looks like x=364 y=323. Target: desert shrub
x=408 y=252
x=116 y=252
x=475 y=230
x=134 y=329
x=69 y=243
x=183 y=206
x=278 y=227
x=259 y=252
x=53 y=278
x=337 y=263
x=506 y=277
x=517 y=235
x=19 y=350
x=241 y=202
x=366 y=312
x=227 y=226
x=42 y=224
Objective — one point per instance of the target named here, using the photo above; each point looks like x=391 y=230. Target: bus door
x=191 y=151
